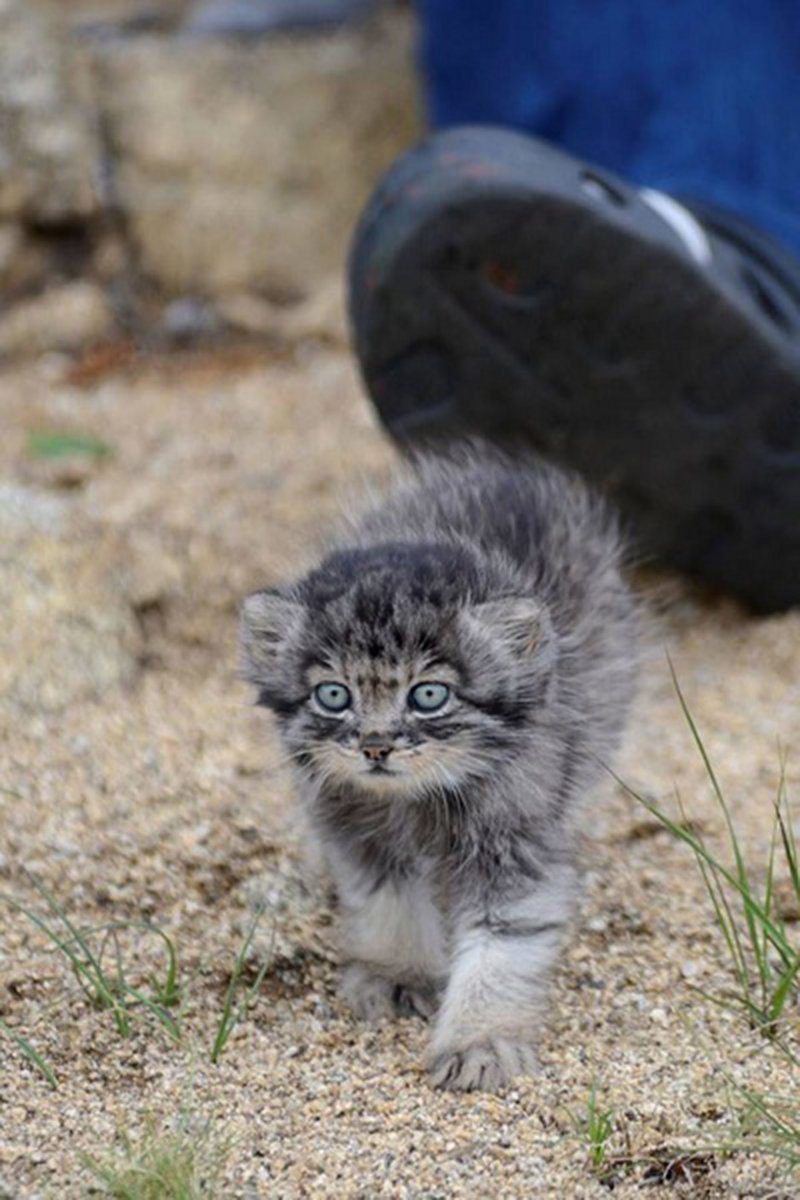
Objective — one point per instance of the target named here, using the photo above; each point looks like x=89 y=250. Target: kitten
x=448 y=684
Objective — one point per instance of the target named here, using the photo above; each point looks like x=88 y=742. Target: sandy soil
x=162 y=798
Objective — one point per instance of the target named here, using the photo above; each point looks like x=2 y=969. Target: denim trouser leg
x=695 y=99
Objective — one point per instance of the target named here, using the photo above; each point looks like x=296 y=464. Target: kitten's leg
x=503 y=950
x=393 y=945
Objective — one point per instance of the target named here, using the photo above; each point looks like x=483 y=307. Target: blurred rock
x=243 y=166
x=49 y=150
x=188 y=319
x=204 y=183
x=89 y=17
x=23 y=261
x=321 y=316
x=65 y=317
x=68 y=629
x=11 y=238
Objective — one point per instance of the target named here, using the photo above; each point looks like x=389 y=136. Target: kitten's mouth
x=380 y=772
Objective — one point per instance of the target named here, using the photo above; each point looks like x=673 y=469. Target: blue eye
x=429 y=697
x=333 y=696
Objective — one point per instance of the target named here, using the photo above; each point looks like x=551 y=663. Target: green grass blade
x=65 y=945
x=162 y=1016
x=741 y=870
x=232 y=1013
x=88 y=974
x=168 y=991
x=723 y=912
x=778 y=1124
x=56 y=909
x=117 y=993
x=227 y=1020
x=774 y=933
x=781 y=993
x=749 y=920
x=765 y=968
x=54 y=444
x=789 y=844
x=727 y=924
x=163 y=1164
x=252 y=991
x=31 y=1054
x=737 y=1003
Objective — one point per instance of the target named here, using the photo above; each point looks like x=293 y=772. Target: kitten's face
x=386 y=723
x=393 y=688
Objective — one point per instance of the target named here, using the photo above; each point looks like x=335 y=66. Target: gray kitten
x=448 y=684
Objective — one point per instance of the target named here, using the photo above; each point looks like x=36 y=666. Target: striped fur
x=451 y=855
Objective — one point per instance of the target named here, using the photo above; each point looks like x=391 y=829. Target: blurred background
x=181 y=419
x=173 y=170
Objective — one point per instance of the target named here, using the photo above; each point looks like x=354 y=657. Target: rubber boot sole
x=501 y=288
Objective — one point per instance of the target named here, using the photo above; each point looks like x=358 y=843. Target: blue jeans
x=696 y=99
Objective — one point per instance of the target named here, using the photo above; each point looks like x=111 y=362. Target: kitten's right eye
x=333 y=696
x=429 y=697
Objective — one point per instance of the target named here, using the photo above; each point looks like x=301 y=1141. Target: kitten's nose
x=376 y=747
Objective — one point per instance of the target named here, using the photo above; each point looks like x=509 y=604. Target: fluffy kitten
x=448 y=684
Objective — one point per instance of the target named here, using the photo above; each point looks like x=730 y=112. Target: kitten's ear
x=519 y=621
x=269 y=619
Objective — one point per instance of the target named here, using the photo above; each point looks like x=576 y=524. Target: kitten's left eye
x=333 y=696
x=429 y=697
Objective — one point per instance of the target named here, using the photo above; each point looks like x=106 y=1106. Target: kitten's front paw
x=484 y=1067
x=372 y=996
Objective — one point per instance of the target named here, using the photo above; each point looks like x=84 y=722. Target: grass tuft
x=599 y=1125
x=764 y=955
x=87 y=952
x=770 y=1125
x=594 y=1126
x=101 y=960
x=750 y=911
x=181 y=1164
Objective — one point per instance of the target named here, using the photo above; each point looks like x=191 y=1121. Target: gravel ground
x=152 y=790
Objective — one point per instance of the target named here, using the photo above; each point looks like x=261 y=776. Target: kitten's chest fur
x=434 y=840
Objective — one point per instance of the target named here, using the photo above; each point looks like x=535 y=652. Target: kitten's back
x=544 y=521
